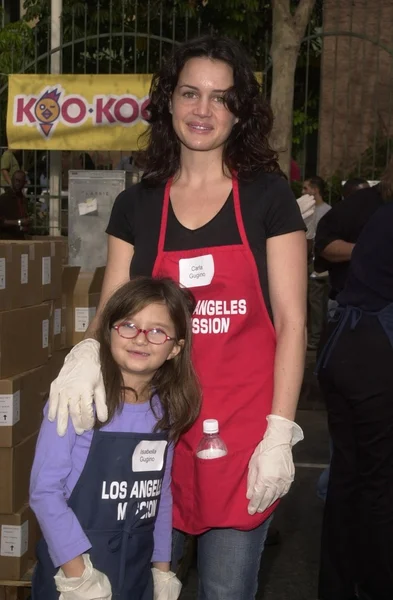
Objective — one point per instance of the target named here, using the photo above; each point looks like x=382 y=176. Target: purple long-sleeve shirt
x=57 y=466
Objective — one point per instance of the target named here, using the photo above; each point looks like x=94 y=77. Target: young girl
x=103 y=498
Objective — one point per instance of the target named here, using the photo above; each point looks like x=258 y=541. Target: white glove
x=307 y=208
x=166 y=585
x=79 y=381
x=92 y=585
x=271 y=469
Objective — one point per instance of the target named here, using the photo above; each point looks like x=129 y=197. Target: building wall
x=356 y=98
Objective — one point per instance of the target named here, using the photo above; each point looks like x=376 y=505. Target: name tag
x=149 y=456
x=196 y=272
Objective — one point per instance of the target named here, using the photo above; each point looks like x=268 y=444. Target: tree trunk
x=287 y=36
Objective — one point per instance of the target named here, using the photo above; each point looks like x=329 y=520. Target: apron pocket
x=220 y=490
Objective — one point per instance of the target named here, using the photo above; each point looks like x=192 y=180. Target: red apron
x=233 y=353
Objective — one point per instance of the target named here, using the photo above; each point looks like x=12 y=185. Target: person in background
x=356 y=378
x=14 y=219
x=294 y=174
x=126 y=162
x=9 y=164
x=339 y=229
x=318 y=283
x=353 y=185
x=86 y=162
x=103 y=499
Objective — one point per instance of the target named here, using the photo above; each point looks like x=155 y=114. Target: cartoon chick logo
x=47 y=110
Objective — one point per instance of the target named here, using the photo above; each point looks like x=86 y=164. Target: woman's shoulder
x=266 y=183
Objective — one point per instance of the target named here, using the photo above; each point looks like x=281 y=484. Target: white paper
x=45 y=333
x=89 y=206
x=24 y=268
x=57 y=322
x=197 y=271
x=81 y=319
x=9 y=409
x=14 y=540
x=2 y=274
x=46 y=270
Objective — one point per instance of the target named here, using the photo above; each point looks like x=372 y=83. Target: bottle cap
x=210 y=426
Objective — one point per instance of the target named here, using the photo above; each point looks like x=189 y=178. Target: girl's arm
x=163 y=527
x=52 y=465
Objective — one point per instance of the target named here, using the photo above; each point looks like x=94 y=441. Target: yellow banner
x=76 y=112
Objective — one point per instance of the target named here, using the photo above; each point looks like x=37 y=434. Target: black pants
x=317 y=301
x=357 y=537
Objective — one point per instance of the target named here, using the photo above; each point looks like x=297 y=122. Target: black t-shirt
x=370 y=276
x=268 y=208
x=344 y=221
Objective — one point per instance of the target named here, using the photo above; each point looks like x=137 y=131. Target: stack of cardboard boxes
x=45 y=308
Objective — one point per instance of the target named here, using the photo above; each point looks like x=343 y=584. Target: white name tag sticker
x=196 y=272
x=149 y=456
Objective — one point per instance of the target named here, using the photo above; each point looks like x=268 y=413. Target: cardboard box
x=18 y=538
x=5 y=272
x=33 y=272
x=55 y=363
x=55 y=318
x=85 y=301
x=15 y=467
x=68 y=282
x=53 y=238
x=21 y=286
x=22 y=400
x=24 y=339
x=48 y=257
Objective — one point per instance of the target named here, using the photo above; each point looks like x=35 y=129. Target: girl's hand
x=166 y=585
x=92 y=585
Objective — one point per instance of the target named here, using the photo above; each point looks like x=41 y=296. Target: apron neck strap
x=165 y=210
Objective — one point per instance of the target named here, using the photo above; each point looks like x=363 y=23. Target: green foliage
x=304 y=124
x=16 y=48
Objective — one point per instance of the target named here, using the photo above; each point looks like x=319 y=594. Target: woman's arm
x=117 y=272
x=287 y=276
x=52 y=466
x=80 y=379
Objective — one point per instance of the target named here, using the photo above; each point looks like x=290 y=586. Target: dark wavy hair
x=247 y=149
x=175 y=381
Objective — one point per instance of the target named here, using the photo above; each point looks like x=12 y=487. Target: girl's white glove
x=271 y=470
x=307 y=208
x=166 y=585
x=77 y=386
x=92 y=585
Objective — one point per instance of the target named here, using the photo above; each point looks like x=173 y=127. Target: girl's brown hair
x=175 y=381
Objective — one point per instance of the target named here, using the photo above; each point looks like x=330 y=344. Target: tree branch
x=302 y=16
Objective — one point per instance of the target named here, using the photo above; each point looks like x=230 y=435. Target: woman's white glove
x=166 y=585
x=79 y=381
x=307 y=208
x=271 y=469
x=92 y=585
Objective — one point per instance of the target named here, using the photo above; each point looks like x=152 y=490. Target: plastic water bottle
x=211 y=445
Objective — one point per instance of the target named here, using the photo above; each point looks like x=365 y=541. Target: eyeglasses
x=154 y=336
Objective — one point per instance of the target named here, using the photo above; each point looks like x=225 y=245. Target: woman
x=214 y=213
x=356 y=378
